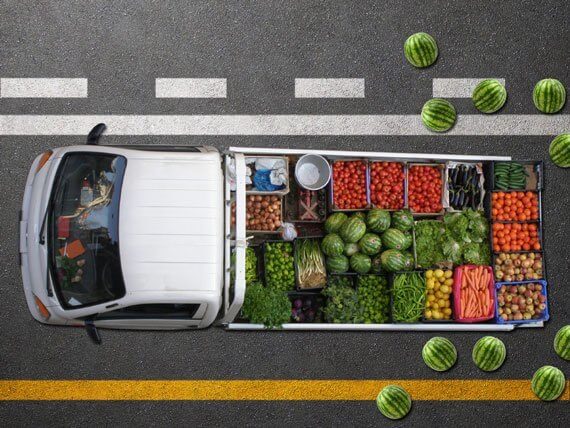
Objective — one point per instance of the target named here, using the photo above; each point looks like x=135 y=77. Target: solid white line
x=43 y=88
x=457 y=88
x=502 y=124
x=191 y=88
x=329 y=88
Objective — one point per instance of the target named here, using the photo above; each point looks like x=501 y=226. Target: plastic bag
x=289 y=233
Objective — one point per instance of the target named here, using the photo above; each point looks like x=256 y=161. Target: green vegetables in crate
x=510 y=176
x=267 y=306
x=374 y=298
x=342 y=302
x=466 y=238
x=408 y=297
x=429 y=241
x=279 y=267
x=311 y=271
x=250 y=266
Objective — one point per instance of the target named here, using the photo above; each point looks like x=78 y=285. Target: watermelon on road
x=562 y=342
x=394 y=402
x=420 y=50
x=560 y=151
x=489 y=96
x=549 y=96
x=489 y=353
x=438 y=115
x=439 y=354
x=548 y=383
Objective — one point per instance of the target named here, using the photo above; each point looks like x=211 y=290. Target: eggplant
x=475 y=180
x=465 y=202
x=465 y=179
x=461 y=198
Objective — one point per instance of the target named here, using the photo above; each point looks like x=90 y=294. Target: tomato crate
x=527 y=205
x=496 y=229
x=411 y=191
x=372 y=184
x=365 y=184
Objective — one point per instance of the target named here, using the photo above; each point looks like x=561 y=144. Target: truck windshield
x=83 y=231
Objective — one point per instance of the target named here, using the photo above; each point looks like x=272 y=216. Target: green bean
x=408 y=297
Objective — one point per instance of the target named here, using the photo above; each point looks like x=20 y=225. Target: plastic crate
x=332 y=205
x=545 y=315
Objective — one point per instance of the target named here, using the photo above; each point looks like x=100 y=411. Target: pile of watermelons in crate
x=370 y=242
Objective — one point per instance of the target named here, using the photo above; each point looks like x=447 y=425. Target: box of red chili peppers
x=425 y=189
x=388 y=185
x=349 y=185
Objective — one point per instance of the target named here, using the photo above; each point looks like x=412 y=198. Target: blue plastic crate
x=545 y=315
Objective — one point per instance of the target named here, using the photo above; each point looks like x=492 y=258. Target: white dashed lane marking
x=43 y=88
x=191 y=88
x=502 y=124
x=329 y=88
x=457 y=88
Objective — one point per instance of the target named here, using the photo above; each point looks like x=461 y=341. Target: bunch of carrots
x=475 y=298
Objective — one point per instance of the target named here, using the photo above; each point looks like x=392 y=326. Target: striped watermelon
x=394 y=239
x=438 y=115
x=408 y=240
x=560 y=151
x=394 y=402
x=332 y=245
x=378 y=220
x=489 y=96
x=337 y=264
x=489 y=353
x=562 y=342
x=439 y=354
x=548 y=383
x=420 y=50
x=549 y=96
x=393 y=261
x=370 y=244
x=352 y=230
x=334 y=222
x=402 y=220
x=360 y=263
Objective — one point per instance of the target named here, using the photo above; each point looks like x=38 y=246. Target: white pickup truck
x=140 y=237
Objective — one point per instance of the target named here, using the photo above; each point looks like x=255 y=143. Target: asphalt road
x=260 y=47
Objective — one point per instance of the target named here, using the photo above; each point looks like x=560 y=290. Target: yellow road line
x=307 y=390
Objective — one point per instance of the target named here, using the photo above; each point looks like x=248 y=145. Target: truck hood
x=171 y=223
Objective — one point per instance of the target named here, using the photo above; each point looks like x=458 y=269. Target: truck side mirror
x=95 y=133
x=92 y=332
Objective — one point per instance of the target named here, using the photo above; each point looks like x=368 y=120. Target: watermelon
x=562 y=342
x=334 y=222
x=408 y=240
x=439 y=354
x=560 y=151
x=489 y=96
x=409 y=262
x=337 y=264
x=360 y=215
x=489 y=353
x=549 y=96
x=402 y=220
x=332 y=245
x=438 y=115
x=394 y=239
x=378 y=220
x=392 y=261
x=352 y=230
x=370 y=244
x=394 y=402
x=548 y=383
x=420 y=50
x=351 y=249
x=360 y=263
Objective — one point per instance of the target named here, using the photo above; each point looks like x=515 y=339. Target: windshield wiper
x=42 y=239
